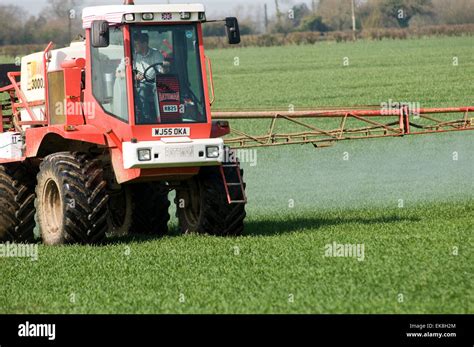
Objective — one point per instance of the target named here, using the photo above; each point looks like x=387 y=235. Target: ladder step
x=238 y=197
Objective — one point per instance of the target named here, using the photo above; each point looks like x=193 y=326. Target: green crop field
x=6 y=60
x=408 y=201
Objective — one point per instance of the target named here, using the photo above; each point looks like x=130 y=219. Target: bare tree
x=454 y=11
x=404 y=10
x=336 y=13
x=65 y=13
x=12 y=28
x=61 y=9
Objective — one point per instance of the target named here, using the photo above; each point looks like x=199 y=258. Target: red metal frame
x=240 y=184
x=23 y=102
x=207 y=131
x=8 y=89
x=72 y=91
x=46 y=82
x=129 y=74
x=1 y=118
x=366 y=124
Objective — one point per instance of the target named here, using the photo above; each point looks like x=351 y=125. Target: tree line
x=61 y=19
x=336 y=15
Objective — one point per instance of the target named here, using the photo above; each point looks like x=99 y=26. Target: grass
x=415 y=71
x=6 y=60
x=282 y=255
x=406 y=200
x=406 y=70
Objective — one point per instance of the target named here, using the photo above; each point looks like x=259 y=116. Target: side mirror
x=100 y=33
x=232 y=30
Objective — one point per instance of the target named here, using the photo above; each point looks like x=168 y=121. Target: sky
x=224 y=7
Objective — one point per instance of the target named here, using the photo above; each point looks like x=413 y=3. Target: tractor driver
x=146 y=103
x=145 y=56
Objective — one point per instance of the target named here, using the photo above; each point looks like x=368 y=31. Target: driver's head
x=141 y=41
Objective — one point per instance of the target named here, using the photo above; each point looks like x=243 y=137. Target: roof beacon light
x=129 y=17
x=185 y=15
x=148 y=16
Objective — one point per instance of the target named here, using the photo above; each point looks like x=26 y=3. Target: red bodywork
x=100 y=128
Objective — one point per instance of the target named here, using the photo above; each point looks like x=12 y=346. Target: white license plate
x=170 y=109
x=166 y=132
x=179 y=152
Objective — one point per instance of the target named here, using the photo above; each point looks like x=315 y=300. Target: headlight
x=144 y=154
x=212 y=151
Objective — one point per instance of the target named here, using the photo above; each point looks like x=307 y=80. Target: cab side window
x=109 y=84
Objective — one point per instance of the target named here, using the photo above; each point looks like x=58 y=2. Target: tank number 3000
x=36 y=83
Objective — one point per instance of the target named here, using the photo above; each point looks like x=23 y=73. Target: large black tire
x=150 y=208
x=139 y=209
x=17 y=209
x=71 y=199
x=202 y=206
x=121 y=207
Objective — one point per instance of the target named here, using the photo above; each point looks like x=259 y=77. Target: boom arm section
x=323 y=128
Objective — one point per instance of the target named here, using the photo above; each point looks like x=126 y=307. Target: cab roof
x=115 y=14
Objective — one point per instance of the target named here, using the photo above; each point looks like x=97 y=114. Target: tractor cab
x=163 y=64
x=148 y=77
x=147 y=62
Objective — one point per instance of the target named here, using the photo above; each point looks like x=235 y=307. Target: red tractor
x=100 y=132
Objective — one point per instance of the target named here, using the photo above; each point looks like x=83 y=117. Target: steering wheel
x=154 y=67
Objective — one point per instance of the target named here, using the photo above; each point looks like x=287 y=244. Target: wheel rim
x=52 y=207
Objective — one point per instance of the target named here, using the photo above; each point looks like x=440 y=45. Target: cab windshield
x=167 y=76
